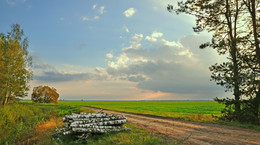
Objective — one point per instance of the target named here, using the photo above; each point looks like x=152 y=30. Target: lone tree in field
x=15 y=65
x=45 y=94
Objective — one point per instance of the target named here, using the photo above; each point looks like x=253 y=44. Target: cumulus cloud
x=166 y=69
x=109 y=55
x=94 y=6
x=150 y=39
x=126 y=29
x=84 y=18
x=96 y=18
x=129 y=12
x=154 y=36
x=14 y=2
x=167 y=66
x=101 y=10
x=157 y=34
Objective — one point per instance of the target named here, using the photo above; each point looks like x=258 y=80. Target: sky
x=114 y=50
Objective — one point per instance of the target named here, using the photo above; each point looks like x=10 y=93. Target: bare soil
x=194 y=133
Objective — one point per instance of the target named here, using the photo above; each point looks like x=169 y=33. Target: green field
x=195 y=111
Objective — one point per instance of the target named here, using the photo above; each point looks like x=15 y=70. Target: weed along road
x=192 y=132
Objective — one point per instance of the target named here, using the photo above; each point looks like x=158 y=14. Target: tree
x=253 y=39
x=45 y=94
x=15 y=65
x=226 y=19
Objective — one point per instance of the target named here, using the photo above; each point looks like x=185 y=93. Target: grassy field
x=195 y=111
x=31 y=123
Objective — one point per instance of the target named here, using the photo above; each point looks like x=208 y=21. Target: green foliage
x=247 y=114
x=15 y=65
x=45 y=94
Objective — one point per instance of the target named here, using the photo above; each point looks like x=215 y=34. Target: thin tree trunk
x=233 y=52
x=6 y=98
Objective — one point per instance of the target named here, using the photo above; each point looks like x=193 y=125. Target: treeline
x=236 y=33
x=15 y=65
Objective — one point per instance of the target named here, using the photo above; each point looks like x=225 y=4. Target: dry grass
x=42 y=133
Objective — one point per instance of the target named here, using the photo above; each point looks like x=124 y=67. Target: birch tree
x=15 y=65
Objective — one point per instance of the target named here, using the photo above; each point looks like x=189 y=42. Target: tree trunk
x=236 y=83
x=6 y=98
x=252 y=11
x=233 y=51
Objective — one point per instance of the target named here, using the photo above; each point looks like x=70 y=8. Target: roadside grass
x=42 y=132
x=17 y=119
x=31 y=123
x=20 y=122
x=237 y=124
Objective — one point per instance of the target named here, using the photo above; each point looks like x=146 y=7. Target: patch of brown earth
x=191 y=132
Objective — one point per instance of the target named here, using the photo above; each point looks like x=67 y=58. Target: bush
x=248 y=111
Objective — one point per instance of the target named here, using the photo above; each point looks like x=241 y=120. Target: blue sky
x=106 y=50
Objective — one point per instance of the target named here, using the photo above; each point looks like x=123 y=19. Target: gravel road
x=192 y=132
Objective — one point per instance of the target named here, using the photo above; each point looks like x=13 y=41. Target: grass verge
x=30 y=123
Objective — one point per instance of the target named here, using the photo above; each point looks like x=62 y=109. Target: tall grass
x=17 y=119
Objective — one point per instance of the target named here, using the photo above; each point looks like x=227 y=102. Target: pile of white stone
x=84 y=124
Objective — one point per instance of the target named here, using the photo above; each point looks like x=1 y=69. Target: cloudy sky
x=114 y=50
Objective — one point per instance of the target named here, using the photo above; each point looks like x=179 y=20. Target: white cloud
x=129 y=12
x=96 y=18
x=167 y=67
x=157 y=34
x=109 y=55
x=126 y=29
x=94 y=6
x=15 y=2
x=84 y=18
x=135 y=42
x=10 y=2
x=61 y=18
x=101 y=10
x=167 y=70
x=150 y=39
x=154 y=36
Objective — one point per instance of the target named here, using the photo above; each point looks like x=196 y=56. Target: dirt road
x=193 y=133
